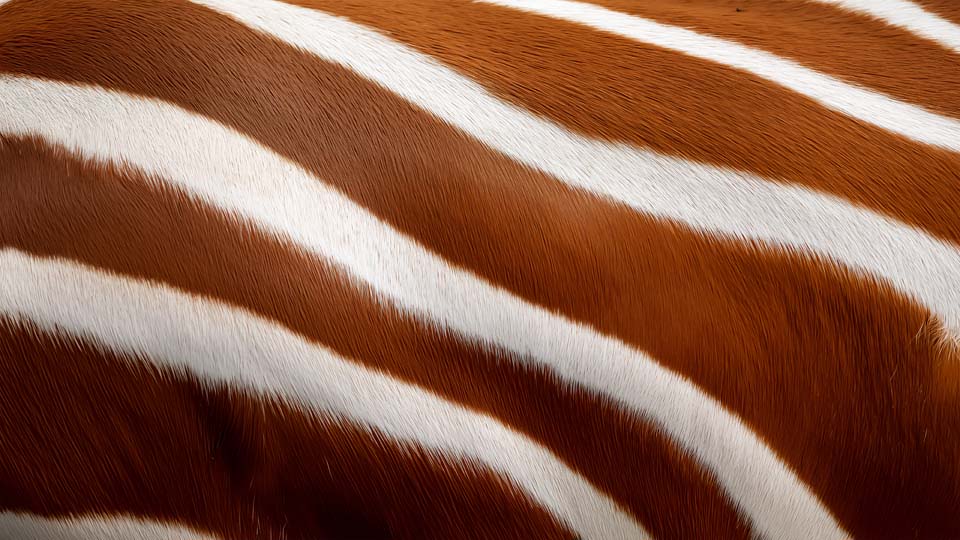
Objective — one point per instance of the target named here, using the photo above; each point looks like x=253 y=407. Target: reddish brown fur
x=831 y=369
x=948 y=9
x=115 y=221
x=612 y=88
x=160 y=445
x=852 y=47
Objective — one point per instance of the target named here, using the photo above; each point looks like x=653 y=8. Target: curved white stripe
x=223 y=344
x=872 y=107
x=15 y=526
x=238 y=175
x=712 y=199
x=908 y=16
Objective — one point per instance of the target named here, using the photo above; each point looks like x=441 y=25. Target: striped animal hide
x=479 y=269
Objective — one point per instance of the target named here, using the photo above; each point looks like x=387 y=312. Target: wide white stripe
x=713 y=199
x=872 y=107
x=15 y=526
x=223 y=344
x=908 y=16
x=236 y=174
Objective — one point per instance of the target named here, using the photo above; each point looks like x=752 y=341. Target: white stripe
x=709 y=198
x=871 y=107
x=222 y=344
x=238 y=175
x=14 y=526
x=908 y=16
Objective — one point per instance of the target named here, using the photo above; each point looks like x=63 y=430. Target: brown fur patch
x=832 y=370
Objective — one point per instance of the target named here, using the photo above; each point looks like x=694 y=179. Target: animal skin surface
x=480 y=269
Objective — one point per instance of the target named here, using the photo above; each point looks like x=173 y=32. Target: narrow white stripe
x=236 y=174
x=908 y=16
x=709 y=198
x=871 y=107
x=222 y=344
x=15 y=526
